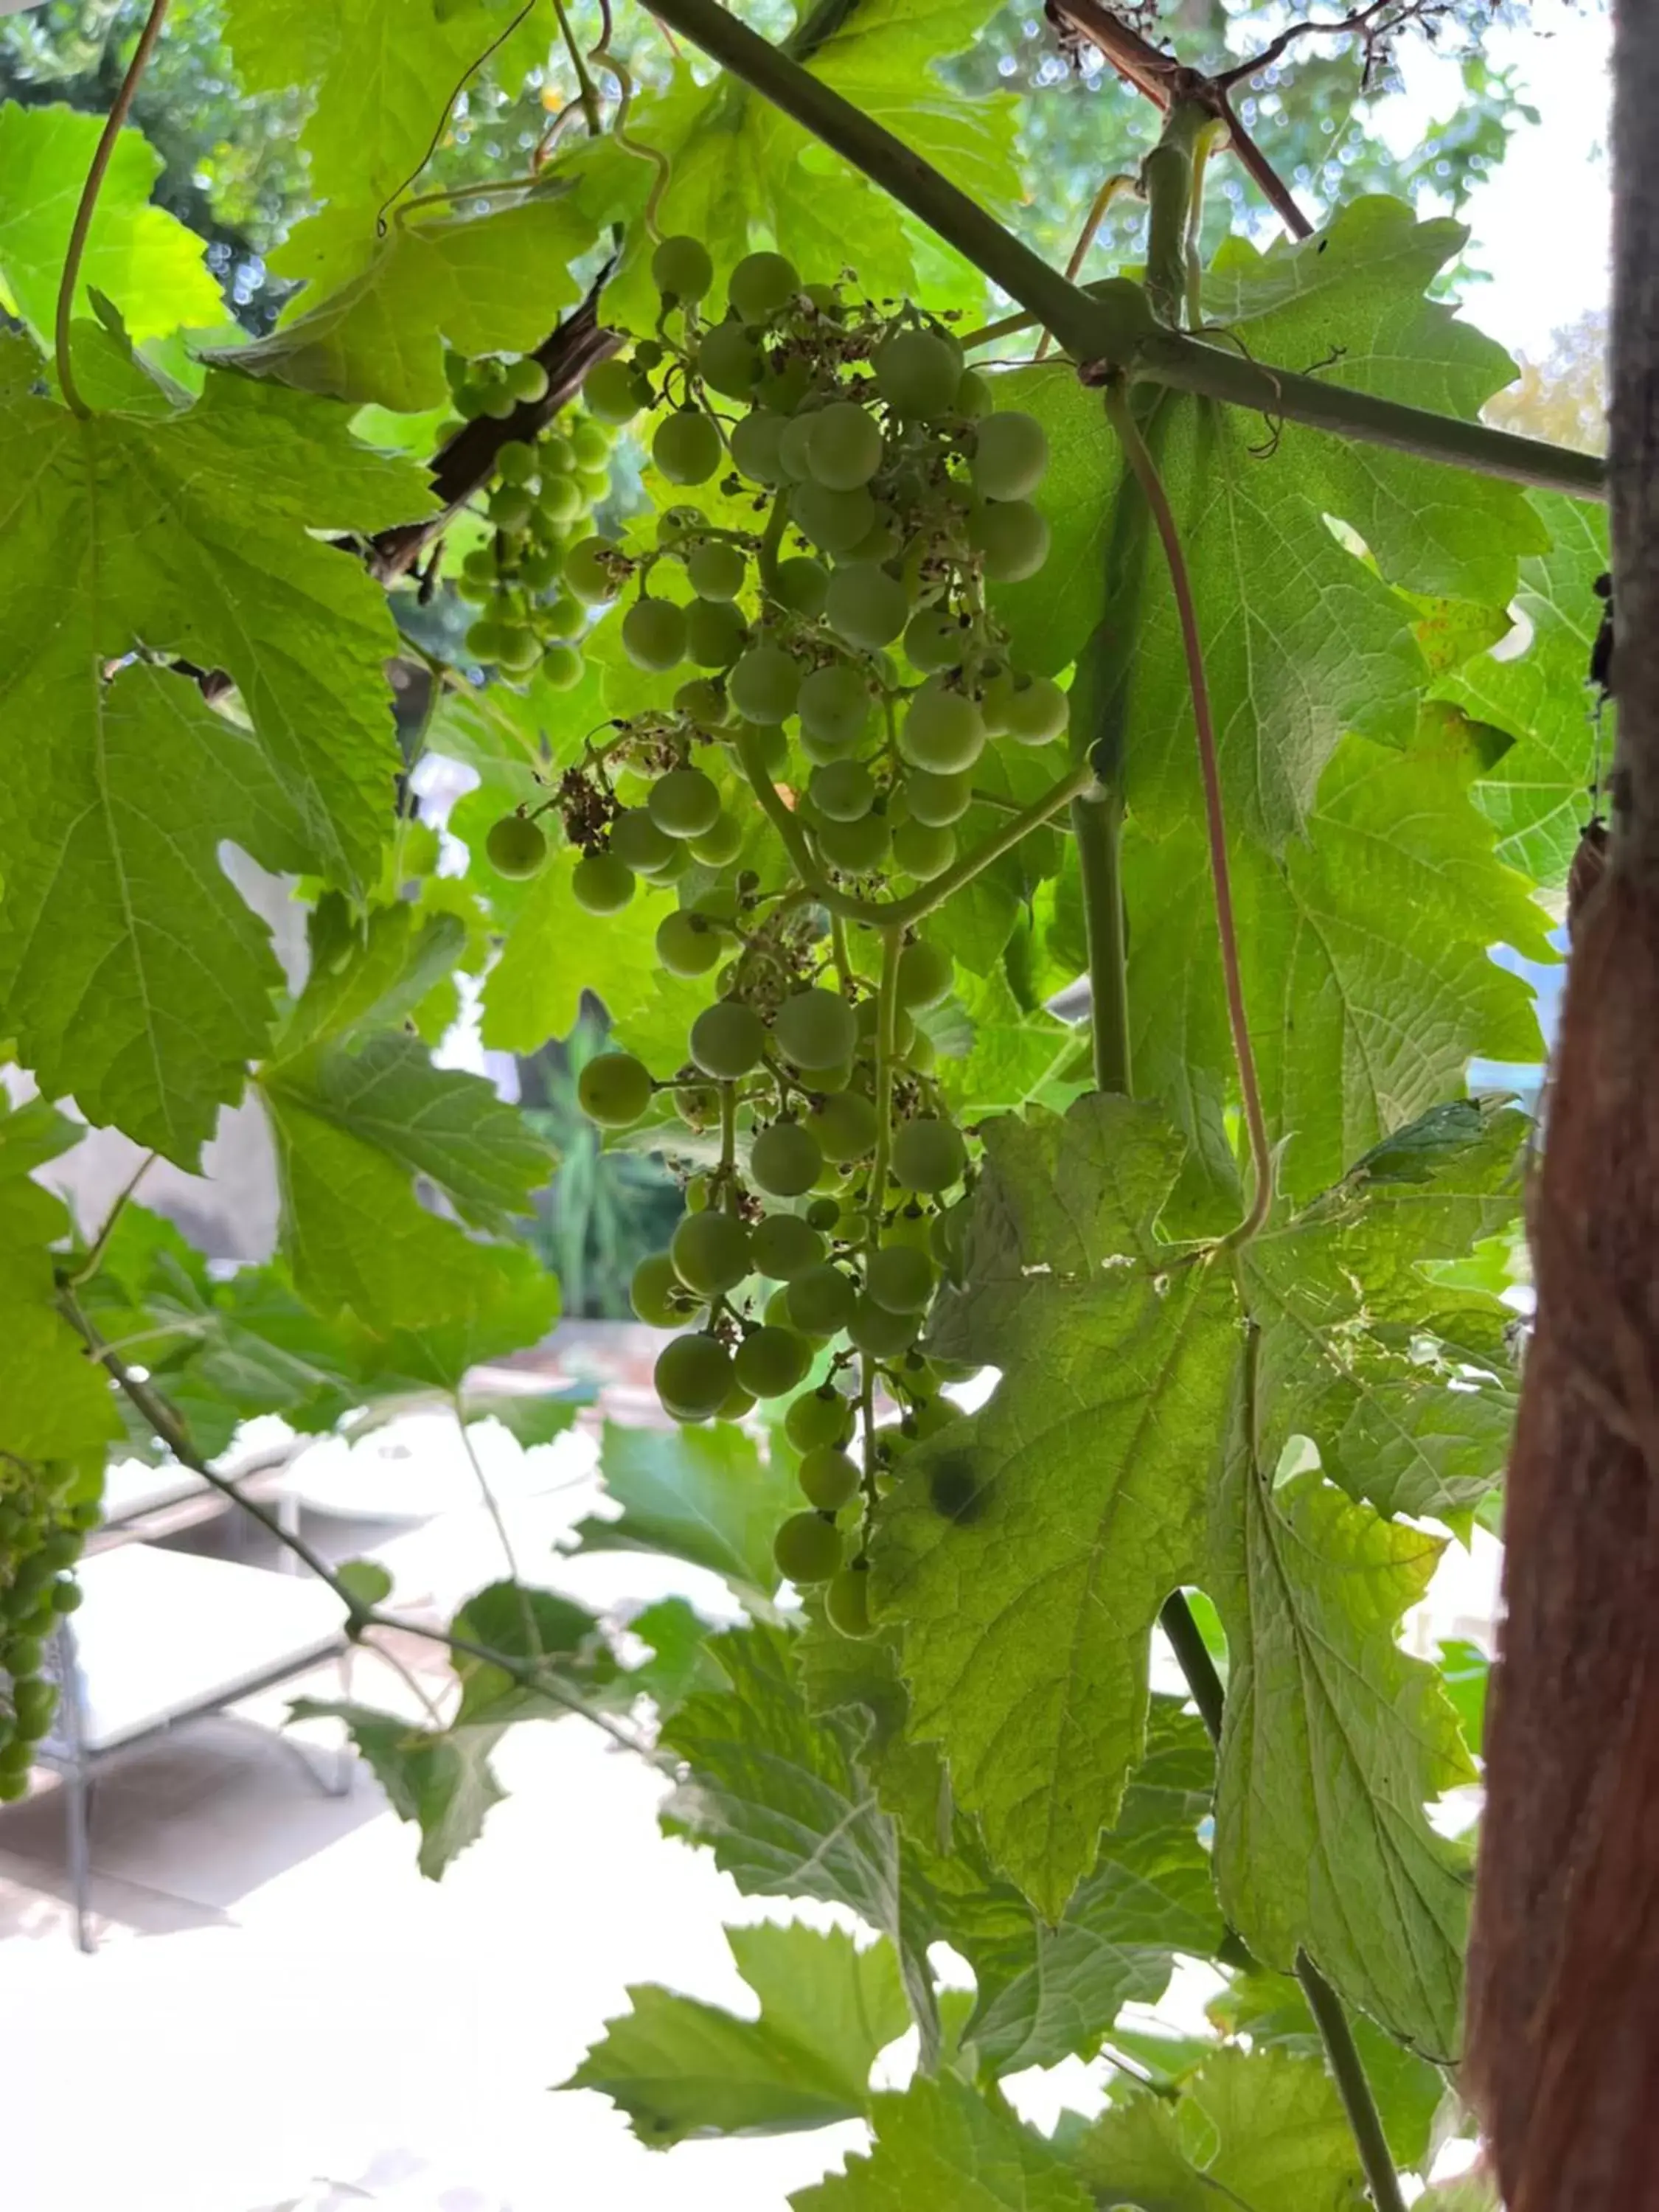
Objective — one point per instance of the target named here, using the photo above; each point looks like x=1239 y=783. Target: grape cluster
x=45 y=1515
x=538 y=505
x=838 y=661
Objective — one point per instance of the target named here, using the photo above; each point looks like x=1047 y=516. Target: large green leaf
x=1303 y=641
x=942 y=2147
x=1537 y=796
x=679 y=2068
x=1368 y=980
x=707 y=1495
x=1256 y=2133
x=134 y=976
x=489 y=283
x=139 y=256
x=55 y=1403
x=1333 y=1741
x=1028 y=1549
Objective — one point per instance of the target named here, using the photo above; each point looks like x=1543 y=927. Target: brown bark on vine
x=1564 y=1994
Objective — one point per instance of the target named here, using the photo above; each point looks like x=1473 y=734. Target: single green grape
x=922 y=1053
x=601 y=884
x=639 y=841
x=717 y=570
x=612 y=392
x=560 y=499
x=687 y=448
x=710 y=1252
x=922 y=851
x=834 y=521
x=928 y=1154
x=1011 y=538
x=919 y=373
x=681 y=268
x=590 y=570
x=693 y=1375
x=785 y=1160
x=539 y=570
x=761 y=284
x=844 y=446
x=719 y=844
x=806 y=1549
x=555 y=454
x=516 y=462
x=590 y=444
x=944 y=730
x=614 y=1090
x=835 y=704
x=702 y=700
x=856 y=848
x=823 y=1213
x=653 y=634
x=772 y=1361
x=728 y=361
x=816 y=1419
x=1010 y=453
x=815 y=1028
x=765 y=685
x=656 y=1293
x=844 y=1123
x=925 y=972
x=936 y=800
x=883 y=1334
x=563 y=616
x=528 y=380
x=727 y=1040
x=842 y=790
x=684 y=802
x=688 y=944
x=1036 y=709
x=785 y=1247
x=933 y=640
x=714 y=633
x=847 y=1601
x=795 y=450
x=516 y=847
x=820 y=1300
x=755 y=446
x=868 y=1014
x=866 y=605
x=899 y=1277
x=828 y=1480
x=802 y=584
x=975 y=396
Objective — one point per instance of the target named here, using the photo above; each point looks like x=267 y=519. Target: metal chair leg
x=77 y=1823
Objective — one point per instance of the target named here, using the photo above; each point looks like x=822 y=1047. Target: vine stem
x=1098 y=825
x=102 y=154
x=94 y=1259
x=1348 y=2071
x=172 y=1431
x=1215 y=821
x=1112 y=329
x=892 y=944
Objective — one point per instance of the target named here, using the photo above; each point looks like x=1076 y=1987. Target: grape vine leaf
x=553 y=953
x=57 y=1404
x=440 y=1779
x=1332 y=1741
x=1536 y=796
x=489 y=283
x=194 y=533
x=562 y=1640
x=139 y=256
x=1367 y=977
x=942 y=2147
x=135 y=975
x=1257 y=2132
x=1303 y=641
x=1028 y=1548
x=707 y=1495
x=679 y=2068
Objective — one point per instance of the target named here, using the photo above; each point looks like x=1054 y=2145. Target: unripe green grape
x=681 y=268
x=611 y=392
x=775 y=1312
x=844 y=446
x=500 y=401
x=588 y=572
x=761 y=284
x=755 y=446
x=925 y=972
x=23 y=1655
x=936 y=801
x=710 y=1252
x=555 y=454
x=815 y=1028
x=1035 y=710
x=684 y=802
x=919 y=373
x=540 y=569
x=518 y=648
x=516 y=462
x=1011 y=538
x=516 y=847
x=594 y=485
x=806 y=1549
x=614 y=1090
x=560 y=499
x=639 y=841
x=653 y=634
x=944 y=731
x=33 y=1703
x=727 y=1040
x=869 y=1013
x=678 y=863
x=821 y=1300
x=563 y=616
x=765 y=685
x=773 y=1362
x=795 y=450
x=846 y=1602
x=833 y=520
x=899 y=1277
x=693 y=1375
x=922 y=1053
x=728 y=360
x=933 y=640
x=858 y=848
x=687 y=448
x=484 y=640
x=844 y=791
x=802 y=584
x=719 y=844
x=526 y=380
x=834 y=704
x=655 y=1292
x=828 y=1480
x=922 y=851
x=866 y=605
x=714 y=632
x=785 y=1160
x=737 y=1405
x=844 y=1123
x=823 y=1213
x=816 y=1418
x=480 y=564
x=1010 y=453
x=883 y=1334
x=717 y=569
x=928 y=1155
x=688 y=944
x=590 y=445
x=601 y=884
x=785 y=1247
x=66 y=1597
x=702 y=700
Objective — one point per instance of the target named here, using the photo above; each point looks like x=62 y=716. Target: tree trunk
x=1563 y=1990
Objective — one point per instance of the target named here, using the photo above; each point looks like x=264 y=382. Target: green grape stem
x=892 y=945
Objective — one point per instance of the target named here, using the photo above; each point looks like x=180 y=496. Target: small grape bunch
x=43 y=1527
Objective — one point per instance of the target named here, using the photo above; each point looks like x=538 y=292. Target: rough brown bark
x=1564 y=1991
